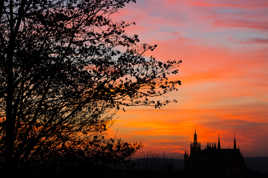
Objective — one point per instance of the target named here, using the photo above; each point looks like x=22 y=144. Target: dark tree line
x=65 y=68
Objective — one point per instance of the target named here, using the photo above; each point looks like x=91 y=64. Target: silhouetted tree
x=64 y=67
x=96 y=152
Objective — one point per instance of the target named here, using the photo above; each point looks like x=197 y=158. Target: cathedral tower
x=195 y=146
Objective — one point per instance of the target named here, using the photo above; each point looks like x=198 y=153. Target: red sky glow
x=224 y=48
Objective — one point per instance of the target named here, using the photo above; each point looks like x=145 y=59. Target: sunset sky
x=224 y=74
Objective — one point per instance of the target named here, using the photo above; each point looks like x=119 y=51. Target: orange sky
x=224 y=48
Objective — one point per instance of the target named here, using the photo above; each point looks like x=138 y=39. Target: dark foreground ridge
x=213 y=161
x=154 y=167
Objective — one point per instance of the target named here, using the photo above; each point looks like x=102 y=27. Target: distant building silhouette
x=214 y=160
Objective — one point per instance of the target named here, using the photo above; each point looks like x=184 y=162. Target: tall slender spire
x=234 y=143
x=219 y=142
x=195 y=137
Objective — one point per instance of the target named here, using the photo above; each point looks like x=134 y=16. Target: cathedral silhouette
x=214 y=161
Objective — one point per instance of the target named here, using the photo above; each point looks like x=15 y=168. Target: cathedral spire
x=219 y=143
x=195 y=137
x=234 y=143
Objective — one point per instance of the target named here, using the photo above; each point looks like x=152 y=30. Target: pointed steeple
x=195 y=146
x=234 y=143
x=219 y=143
x=195 y=137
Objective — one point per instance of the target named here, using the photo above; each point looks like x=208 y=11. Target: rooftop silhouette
x=214 y=160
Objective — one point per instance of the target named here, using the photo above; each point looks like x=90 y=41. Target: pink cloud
x=245 y=4
x=235 y=23
x=255 y=41
x=249 y=14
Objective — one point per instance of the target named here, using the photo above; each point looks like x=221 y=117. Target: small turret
x=186 y=159
x=185 y=155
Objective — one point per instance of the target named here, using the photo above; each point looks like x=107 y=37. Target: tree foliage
x=63 y=66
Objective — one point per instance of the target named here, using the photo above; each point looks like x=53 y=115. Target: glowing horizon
x=223 y=45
